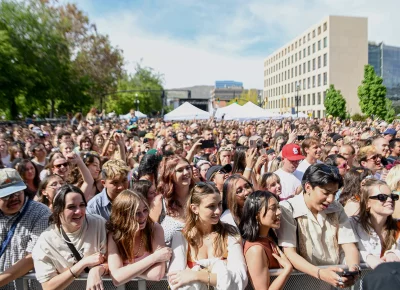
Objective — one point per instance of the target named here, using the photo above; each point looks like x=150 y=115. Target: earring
x=197 y=217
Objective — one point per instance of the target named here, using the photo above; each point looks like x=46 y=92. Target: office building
x=224 y=91
x=199 y=97
x=386 y=62
x=228 y=84
x=333 y=51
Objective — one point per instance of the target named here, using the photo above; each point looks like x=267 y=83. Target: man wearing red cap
x=291 y=155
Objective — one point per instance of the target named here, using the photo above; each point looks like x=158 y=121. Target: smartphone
x=300 y=137
x=292 y=127
x=207 y=144
x=145 y=140
x=347 y=273
x=263 y=152
x=118 y=131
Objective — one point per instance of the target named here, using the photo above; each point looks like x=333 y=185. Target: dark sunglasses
x=62 y=164
x=374 y=157
x=383 y=197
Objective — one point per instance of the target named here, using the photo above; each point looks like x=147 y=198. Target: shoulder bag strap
x=10 y=233
x=72 y=248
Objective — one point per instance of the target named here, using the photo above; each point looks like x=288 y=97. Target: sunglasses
x=374 y=157
x=65 y=164
x=342 y=166
x=383 y=197
x=18 y=193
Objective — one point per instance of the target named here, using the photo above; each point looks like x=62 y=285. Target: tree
x=372 y=94
x=246 y=96
x=334 y=103
x=391 y=113
x=149 y=90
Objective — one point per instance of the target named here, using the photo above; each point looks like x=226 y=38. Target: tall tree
x=372 y=94
x=334 y=103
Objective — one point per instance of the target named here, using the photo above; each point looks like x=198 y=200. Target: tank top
x=191 y=262
x=269 y=247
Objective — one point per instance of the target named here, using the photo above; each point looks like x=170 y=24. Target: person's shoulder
x=95 y=218
x=95 y=200
x=39 y=208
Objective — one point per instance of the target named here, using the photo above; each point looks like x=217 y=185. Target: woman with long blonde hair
x=207 y=252
x=136 y=245
x=393 y=181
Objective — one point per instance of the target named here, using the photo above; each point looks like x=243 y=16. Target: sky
x=196 y=42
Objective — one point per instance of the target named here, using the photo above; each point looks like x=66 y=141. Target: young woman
x=4 y=155
x=56 y=265
x=350 y=194
x=339 y=161
x=30 y=175
x=235 y=191
x=329 y=149
x=377 y=230
x=261 y=215
x=393 y=181
x=136 y=245
x=272 y=183
x=16 y=152
x=207 y=252
x=202 y=167
x=316 y=225
x=48 y=188
x=92 y=161
x=148 y=190
x=174 y=183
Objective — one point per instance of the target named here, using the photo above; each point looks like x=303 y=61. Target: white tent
x=187 y=111
x=138 y=114
x=294 y=116
x=253 y=112
x=230 y=112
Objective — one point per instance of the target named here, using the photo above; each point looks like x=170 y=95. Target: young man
x=21 y=222
x=389 y=134
x=349 y=152
x=394 y=146
x=114 y=177
x=291 y=155
x=218 y=174
x=312 y=150
x=39 y=156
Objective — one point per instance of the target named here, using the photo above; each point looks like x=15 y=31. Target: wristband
x=248 y=169
x=72 y=273
x=319 y=277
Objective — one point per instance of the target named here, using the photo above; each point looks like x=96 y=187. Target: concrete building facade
x=333 y=51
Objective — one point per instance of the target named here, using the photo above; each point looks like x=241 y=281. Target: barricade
x=297 y=281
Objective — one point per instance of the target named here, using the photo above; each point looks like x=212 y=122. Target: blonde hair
x=364 y=152
x=114 y=169
x=393 y=178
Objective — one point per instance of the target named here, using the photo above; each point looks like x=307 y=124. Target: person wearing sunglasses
x=368 y=157
x=315 y=231
x=377 y=230
x=22 y=220
x=339 y=161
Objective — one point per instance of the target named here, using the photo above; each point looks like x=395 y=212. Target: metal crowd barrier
x=298 y=280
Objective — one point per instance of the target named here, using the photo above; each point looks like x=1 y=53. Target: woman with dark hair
x=350 y=194
x=136 y=245
x=74 y=242
x=378 y=232
x=239 y=160
x=148 y=191
x=329 y=149
x=48 y=188
x=29 y=173
x=148 y=167
x=85 y=144
x=235 y=191
x=339 y=161
x=92 y=162
x=207 y=252
x=261 y=215
x=315 y=229
x=174 y=183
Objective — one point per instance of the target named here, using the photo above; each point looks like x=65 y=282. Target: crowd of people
x=205 y=203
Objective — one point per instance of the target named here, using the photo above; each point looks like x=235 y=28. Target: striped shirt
x=27 y=232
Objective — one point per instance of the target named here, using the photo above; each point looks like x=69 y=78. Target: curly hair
x=124 y=226
x=352 y=184
x=149 y=165
x=191 y=231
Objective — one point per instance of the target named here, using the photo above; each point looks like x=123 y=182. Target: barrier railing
x=298 y=280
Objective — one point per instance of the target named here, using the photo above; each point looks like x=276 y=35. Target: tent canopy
x=187 y=111
x=128 y=116
x=229 y=112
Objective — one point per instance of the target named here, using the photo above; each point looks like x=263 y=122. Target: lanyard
x=10 y=233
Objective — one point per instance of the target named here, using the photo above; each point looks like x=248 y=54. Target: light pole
x=137 y=102
x=297 y=98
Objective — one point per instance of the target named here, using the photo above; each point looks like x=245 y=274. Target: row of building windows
x=297 y=70
x=295 y=57
x=296 y=44
x=305 y=100
x=310 y=82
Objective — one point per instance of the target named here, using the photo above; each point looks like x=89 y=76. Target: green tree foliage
x=334 y=103
x=372 y=94
x=390 y=111
x=149 y=90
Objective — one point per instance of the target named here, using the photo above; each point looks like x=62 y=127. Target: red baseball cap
x=292 y=152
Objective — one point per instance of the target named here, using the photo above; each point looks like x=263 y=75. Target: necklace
x=208 y=236
x=140 y=247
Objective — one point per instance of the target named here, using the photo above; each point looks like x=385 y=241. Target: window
x=319 y=99
x=325 y=59
x=304 y=68
x=313 y=48
x=309 y=50
x=291 y=75
x=285 y=62
x=313 y=99
x=308 y=83
x=288 y=60
x=292 y=89
x=319 y=61
x=304 y=100
x=313 y=64
x=324 y=97
x=313 y=82
x=299 y=55
x=325 y=42
x=309 y=66
x=319 y=80
x=292 y=58
x=304 y=39
x=319 y=44
x=308 y=100
x=309 y=37
x=299 y=69
x=304 y=84
x=325 y=26
x=295 y=44
x=299 y=101
x=295 y=57
x=295 y=71
x=313 y=33
x=285 y=76
x=325 y=78
x=299 y=84
x=319 y=30
x=300 y=42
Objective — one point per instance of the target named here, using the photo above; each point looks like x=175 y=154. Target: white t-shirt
x=289 y=182
x=301 y=169
x=51 y=254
